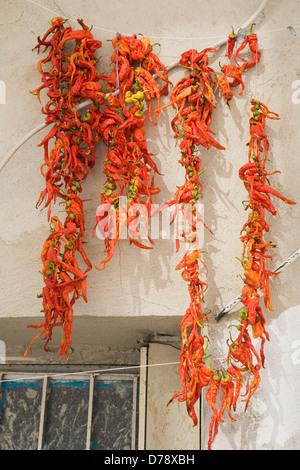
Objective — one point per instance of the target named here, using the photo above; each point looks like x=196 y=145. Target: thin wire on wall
x=80 y=372
x=244 y=26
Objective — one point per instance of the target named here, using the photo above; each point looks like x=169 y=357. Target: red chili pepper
x=152 y=63
x=227 y=388
x=239 y=49
x=49 y=136
x=238 y=377
x=251 y=40
x=225 y=87
x=235 y=72
x=211 y=396
x=231 y=43
x=268 y=190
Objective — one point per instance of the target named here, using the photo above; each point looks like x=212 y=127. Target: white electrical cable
x=30 y=134
x=85 y=103
x=68 y=374
x=73 y=20
x=22 y=142
x=238 y=299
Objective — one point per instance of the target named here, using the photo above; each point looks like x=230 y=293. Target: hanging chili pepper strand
x=251 y=41
x=235 y=71
x=62 y=275
x=194 y=102
x=71 y=77
x=193 y=97
x=242 y=356
x=129 y=168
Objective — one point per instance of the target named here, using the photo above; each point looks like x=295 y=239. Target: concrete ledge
x=102 y=340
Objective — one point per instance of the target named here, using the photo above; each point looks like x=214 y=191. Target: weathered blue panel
x=66 y=415
x=65 y=425
x=20 y=404
x=112 y=415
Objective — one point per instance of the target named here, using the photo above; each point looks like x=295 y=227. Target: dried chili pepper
x=227 y=388
x=251 y=40
x=232 y=37
x=235 y=72
x=211 y=396
x=225 y=87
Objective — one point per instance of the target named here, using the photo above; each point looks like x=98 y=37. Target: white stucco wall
x=140 y=283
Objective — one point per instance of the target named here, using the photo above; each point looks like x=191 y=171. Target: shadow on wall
x=162 y=144
x=156 y=271
x=282 y=379
x=271 y=420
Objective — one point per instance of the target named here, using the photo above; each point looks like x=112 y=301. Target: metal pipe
x=42 y=414
x=90 y=413
x=279 y=268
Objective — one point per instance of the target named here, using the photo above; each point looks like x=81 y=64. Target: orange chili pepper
x=211 y=396
x=253 y=277
x=225 y=87
x=181 y=96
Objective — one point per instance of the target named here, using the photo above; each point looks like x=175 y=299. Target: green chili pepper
x=243 y=315
x=216 y=376
x=138 y=86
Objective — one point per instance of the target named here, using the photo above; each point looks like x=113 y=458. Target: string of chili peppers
x=69 y=76
x=235 y=71
x=242 y=358
x=193 y=98
x=129 y=168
